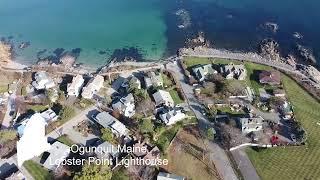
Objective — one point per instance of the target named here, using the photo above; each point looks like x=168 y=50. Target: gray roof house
x=232 y=71
x=202 y=71
x=167 y=176
x=106 y=149
x=153 y=79
x=163 y=98
x=58 y=152
x=108 y=121
x=251 y=124
x=125 y=105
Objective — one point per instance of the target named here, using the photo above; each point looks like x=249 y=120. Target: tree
x=146 y=126
x=107 y=135
x=209 y=89
x=7 y=135
x=234 y=87
x=94 y=171
x=66 y=113
x=140 y=94
x=211 y=132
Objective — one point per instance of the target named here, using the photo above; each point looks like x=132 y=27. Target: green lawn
x=192 y=61
x=65 y=140
x=294 y=162
x=38 y=108
x=3 y=88
x=253 y=75
x=37 y=172
x=175 y=96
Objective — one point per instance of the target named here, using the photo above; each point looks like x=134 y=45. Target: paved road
x=244 y=164
x=217 y=155
x=10 y=106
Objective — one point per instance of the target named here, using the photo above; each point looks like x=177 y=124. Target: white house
x=74 y=88
x=57 y=153
x=108 y=121
x=33 y=142
x=163 y=98
x=49 y=115
x=172 y=116
x=251 y=124
x=42 y=81
x=167 y=176
x=92 y=87
x=232 y=71
x=125 y=105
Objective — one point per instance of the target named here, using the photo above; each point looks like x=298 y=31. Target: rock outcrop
x=306 y=54
x=269 y=49
x=5 y=52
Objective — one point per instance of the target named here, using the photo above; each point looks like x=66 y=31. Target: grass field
x=192 y=61
x=294 y=162
x=37 y=172
x=185 y=157
x=175 y=96
x=65 y=140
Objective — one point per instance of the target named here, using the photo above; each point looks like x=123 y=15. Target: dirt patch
x=188 y=156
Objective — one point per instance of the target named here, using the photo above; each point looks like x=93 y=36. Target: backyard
x=187 y=152
x=37 y=171
x=293 y=162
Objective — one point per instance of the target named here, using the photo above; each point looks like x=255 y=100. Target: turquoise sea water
x=93 y=26
x=148 y=29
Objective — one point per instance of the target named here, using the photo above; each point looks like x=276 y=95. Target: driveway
x=10 y=107
x=244 y=164
x=217 y=154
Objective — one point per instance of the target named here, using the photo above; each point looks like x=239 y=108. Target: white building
x=163 y=98
x=57 y=153
x=49 y=116
x=76 y=85
x=125 y=105
x=172 y=116
x=92 y=87
x=232 y=71
x=167 y=176
x=251 y=124
x=33 y=141
x=42 y=81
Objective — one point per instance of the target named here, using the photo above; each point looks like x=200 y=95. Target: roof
x=49 y=115
x=248 y=122
x=107 y=148
x=167 y=176
x=120 y=128
x=58 y=151
x=104 y=119
x=269 y=77
x=94 y=85
x=33 y=141
x=162 y=96
x=202 y=70
x=76 y=84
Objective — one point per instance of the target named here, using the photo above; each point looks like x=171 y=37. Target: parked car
x=293 y=138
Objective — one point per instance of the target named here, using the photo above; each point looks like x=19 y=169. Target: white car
x=293 y=137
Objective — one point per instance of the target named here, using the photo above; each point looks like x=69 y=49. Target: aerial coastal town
x=202 y=114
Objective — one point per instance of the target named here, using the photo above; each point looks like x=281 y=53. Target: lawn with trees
x=293 y=162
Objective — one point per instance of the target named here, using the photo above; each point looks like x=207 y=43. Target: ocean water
x=97 y=30
x=100 y=30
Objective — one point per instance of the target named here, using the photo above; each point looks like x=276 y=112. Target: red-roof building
x=270 y=77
